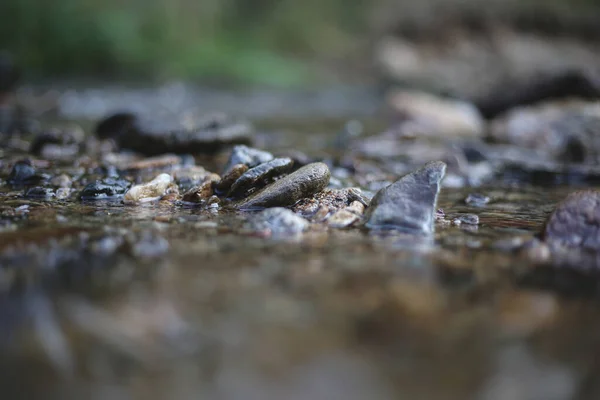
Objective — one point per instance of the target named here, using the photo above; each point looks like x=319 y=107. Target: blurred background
x=288 y=43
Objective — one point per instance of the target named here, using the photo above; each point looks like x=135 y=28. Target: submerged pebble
x=279 y=221
x=286 y=191
x=150 y=191
x=408 y=204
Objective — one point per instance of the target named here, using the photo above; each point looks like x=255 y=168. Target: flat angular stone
x=409 y=204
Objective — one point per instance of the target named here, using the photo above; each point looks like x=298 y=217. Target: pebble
x=105 y=189
x=467 y=219
x=288 y=190
x=40 y=193
x=248 y=156
x=150 y=191
x=477 y=199
x=200 y=193
x=342 y=219
x=230 y=177
x=279 y=221
x=409 y=204
x=63 y=193
x=259 y=176
x=575 y=223
x=61 y=181
x=24 y=173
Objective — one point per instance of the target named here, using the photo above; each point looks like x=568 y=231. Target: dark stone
x=288 y=190
x=24 y=173
x=115 y=126
x=230 y=177
x=575 y=222
x=158 y=134
x=259 y=176
x=409 y=204
x=40 y=193
x=42 y=140
x=9 y=74
x=105 y=189
x=248 y=156
x=557 y=86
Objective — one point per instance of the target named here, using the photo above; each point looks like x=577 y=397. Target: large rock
x=566 y=131
x=575 y=223
x=166 y=133
x=409 y=204
x=423 y=114
x=287 y=191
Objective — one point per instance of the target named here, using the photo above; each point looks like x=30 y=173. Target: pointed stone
x=409 y=204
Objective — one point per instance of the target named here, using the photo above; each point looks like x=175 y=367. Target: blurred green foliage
x=250 y=41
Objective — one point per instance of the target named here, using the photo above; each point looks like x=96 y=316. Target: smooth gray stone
x=288 y=190
x=259 y=176
x=409 y=204
x=247 y=155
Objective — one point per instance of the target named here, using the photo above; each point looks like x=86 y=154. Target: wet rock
x=567 y=131
x=159 y=134
x=477 y=200
x=24 y=173
x=575 y=223
x=151 y=191
x=115 y=126
x=200 y=193
x=248 y=156
x=561 y=85
x=108 y=188
x=279 y=221
x=40 y=193
x=332 y=200
x=259 y=176
x=230 y=177
x=409 y=204
x=63 y=193
x=467 y=219
x=342 y=219
x=288 y=190
x=423 y=114
x=190 y=177
x=57 y=144
x=61 y=181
